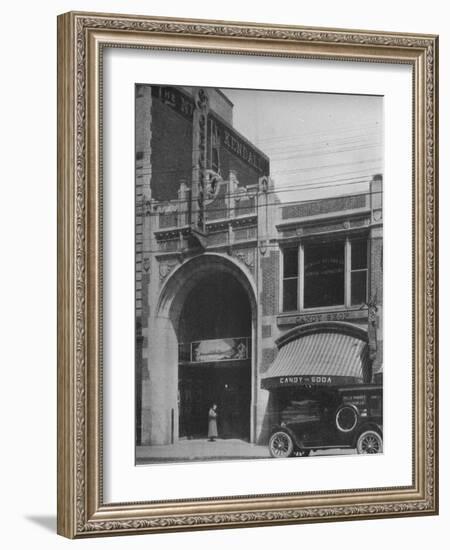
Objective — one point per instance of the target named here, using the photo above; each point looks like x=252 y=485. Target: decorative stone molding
x=245 y=256
x=146 y=264
x=165 y=267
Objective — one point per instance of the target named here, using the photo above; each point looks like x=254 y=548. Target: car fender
x=289 y=431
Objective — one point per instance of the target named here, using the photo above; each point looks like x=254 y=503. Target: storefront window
x=333 y=274
x=324 y=275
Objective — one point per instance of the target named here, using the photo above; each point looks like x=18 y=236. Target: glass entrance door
x=227 y=386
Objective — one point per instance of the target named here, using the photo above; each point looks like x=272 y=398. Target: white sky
x=321 y=144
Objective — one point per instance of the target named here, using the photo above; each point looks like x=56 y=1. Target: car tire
x=281 y=445
x=369 y=442
x=342 y=423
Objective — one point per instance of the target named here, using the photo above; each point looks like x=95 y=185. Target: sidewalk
x=187 y=450
x=190 y=450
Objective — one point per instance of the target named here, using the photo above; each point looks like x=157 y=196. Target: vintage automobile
x=343 y=418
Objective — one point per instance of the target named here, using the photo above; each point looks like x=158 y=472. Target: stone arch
x=161 y=398
x=186 y=276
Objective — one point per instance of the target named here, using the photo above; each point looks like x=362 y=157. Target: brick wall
x=270 y=283
x=267 y=358
x=377 y=268
x=249 y=166
x=171 y=151
x=244 y=173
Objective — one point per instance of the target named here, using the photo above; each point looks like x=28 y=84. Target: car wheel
x=347 y=418
x=369 y=442
x=281 y=445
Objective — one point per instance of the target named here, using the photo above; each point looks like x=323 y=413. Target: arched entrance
x=202 y=340
x=214 y=335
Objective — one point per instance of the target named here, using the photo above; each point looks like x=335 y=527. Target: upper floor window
x=325 y=274
x=290 y=279
x=359 y=271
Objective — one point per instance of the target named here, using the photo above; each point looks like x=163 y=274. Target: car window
x=301 y=411
x=375 y=405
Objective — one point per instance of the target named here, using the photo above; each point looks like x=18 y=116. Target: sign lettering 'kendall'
x=232 y=141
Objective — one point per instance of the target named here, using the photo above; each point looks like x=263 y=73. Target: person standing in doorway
x=212 y=423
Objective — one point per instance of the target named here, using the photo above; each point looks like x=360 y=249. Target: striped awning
x=319 y=358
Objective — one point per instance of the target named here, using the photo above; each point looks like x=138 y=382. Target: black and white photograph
x=223 y=240
x=259 y=274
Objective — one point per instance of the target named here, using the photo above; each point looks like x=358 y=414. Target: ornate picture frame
x=82 y=40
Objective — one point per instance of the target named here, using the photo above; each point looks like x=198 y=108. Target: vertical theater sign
x=241 y=299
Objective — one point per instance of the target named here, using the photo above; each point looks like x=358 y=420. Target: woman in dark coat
x=212 y=423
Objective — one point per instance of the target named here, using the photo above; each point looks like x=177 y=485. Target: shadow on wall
x=269 y=420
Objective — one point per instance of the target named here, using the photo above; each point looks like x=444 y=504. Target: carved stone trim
x=246 y=256
x=247 y=221
x=165 y=268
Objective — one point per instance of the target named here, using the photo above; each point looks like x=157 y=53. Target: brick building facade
x=230 y=281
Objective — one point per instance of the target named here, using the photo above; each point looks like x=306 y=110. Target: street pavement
x=189 y=450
